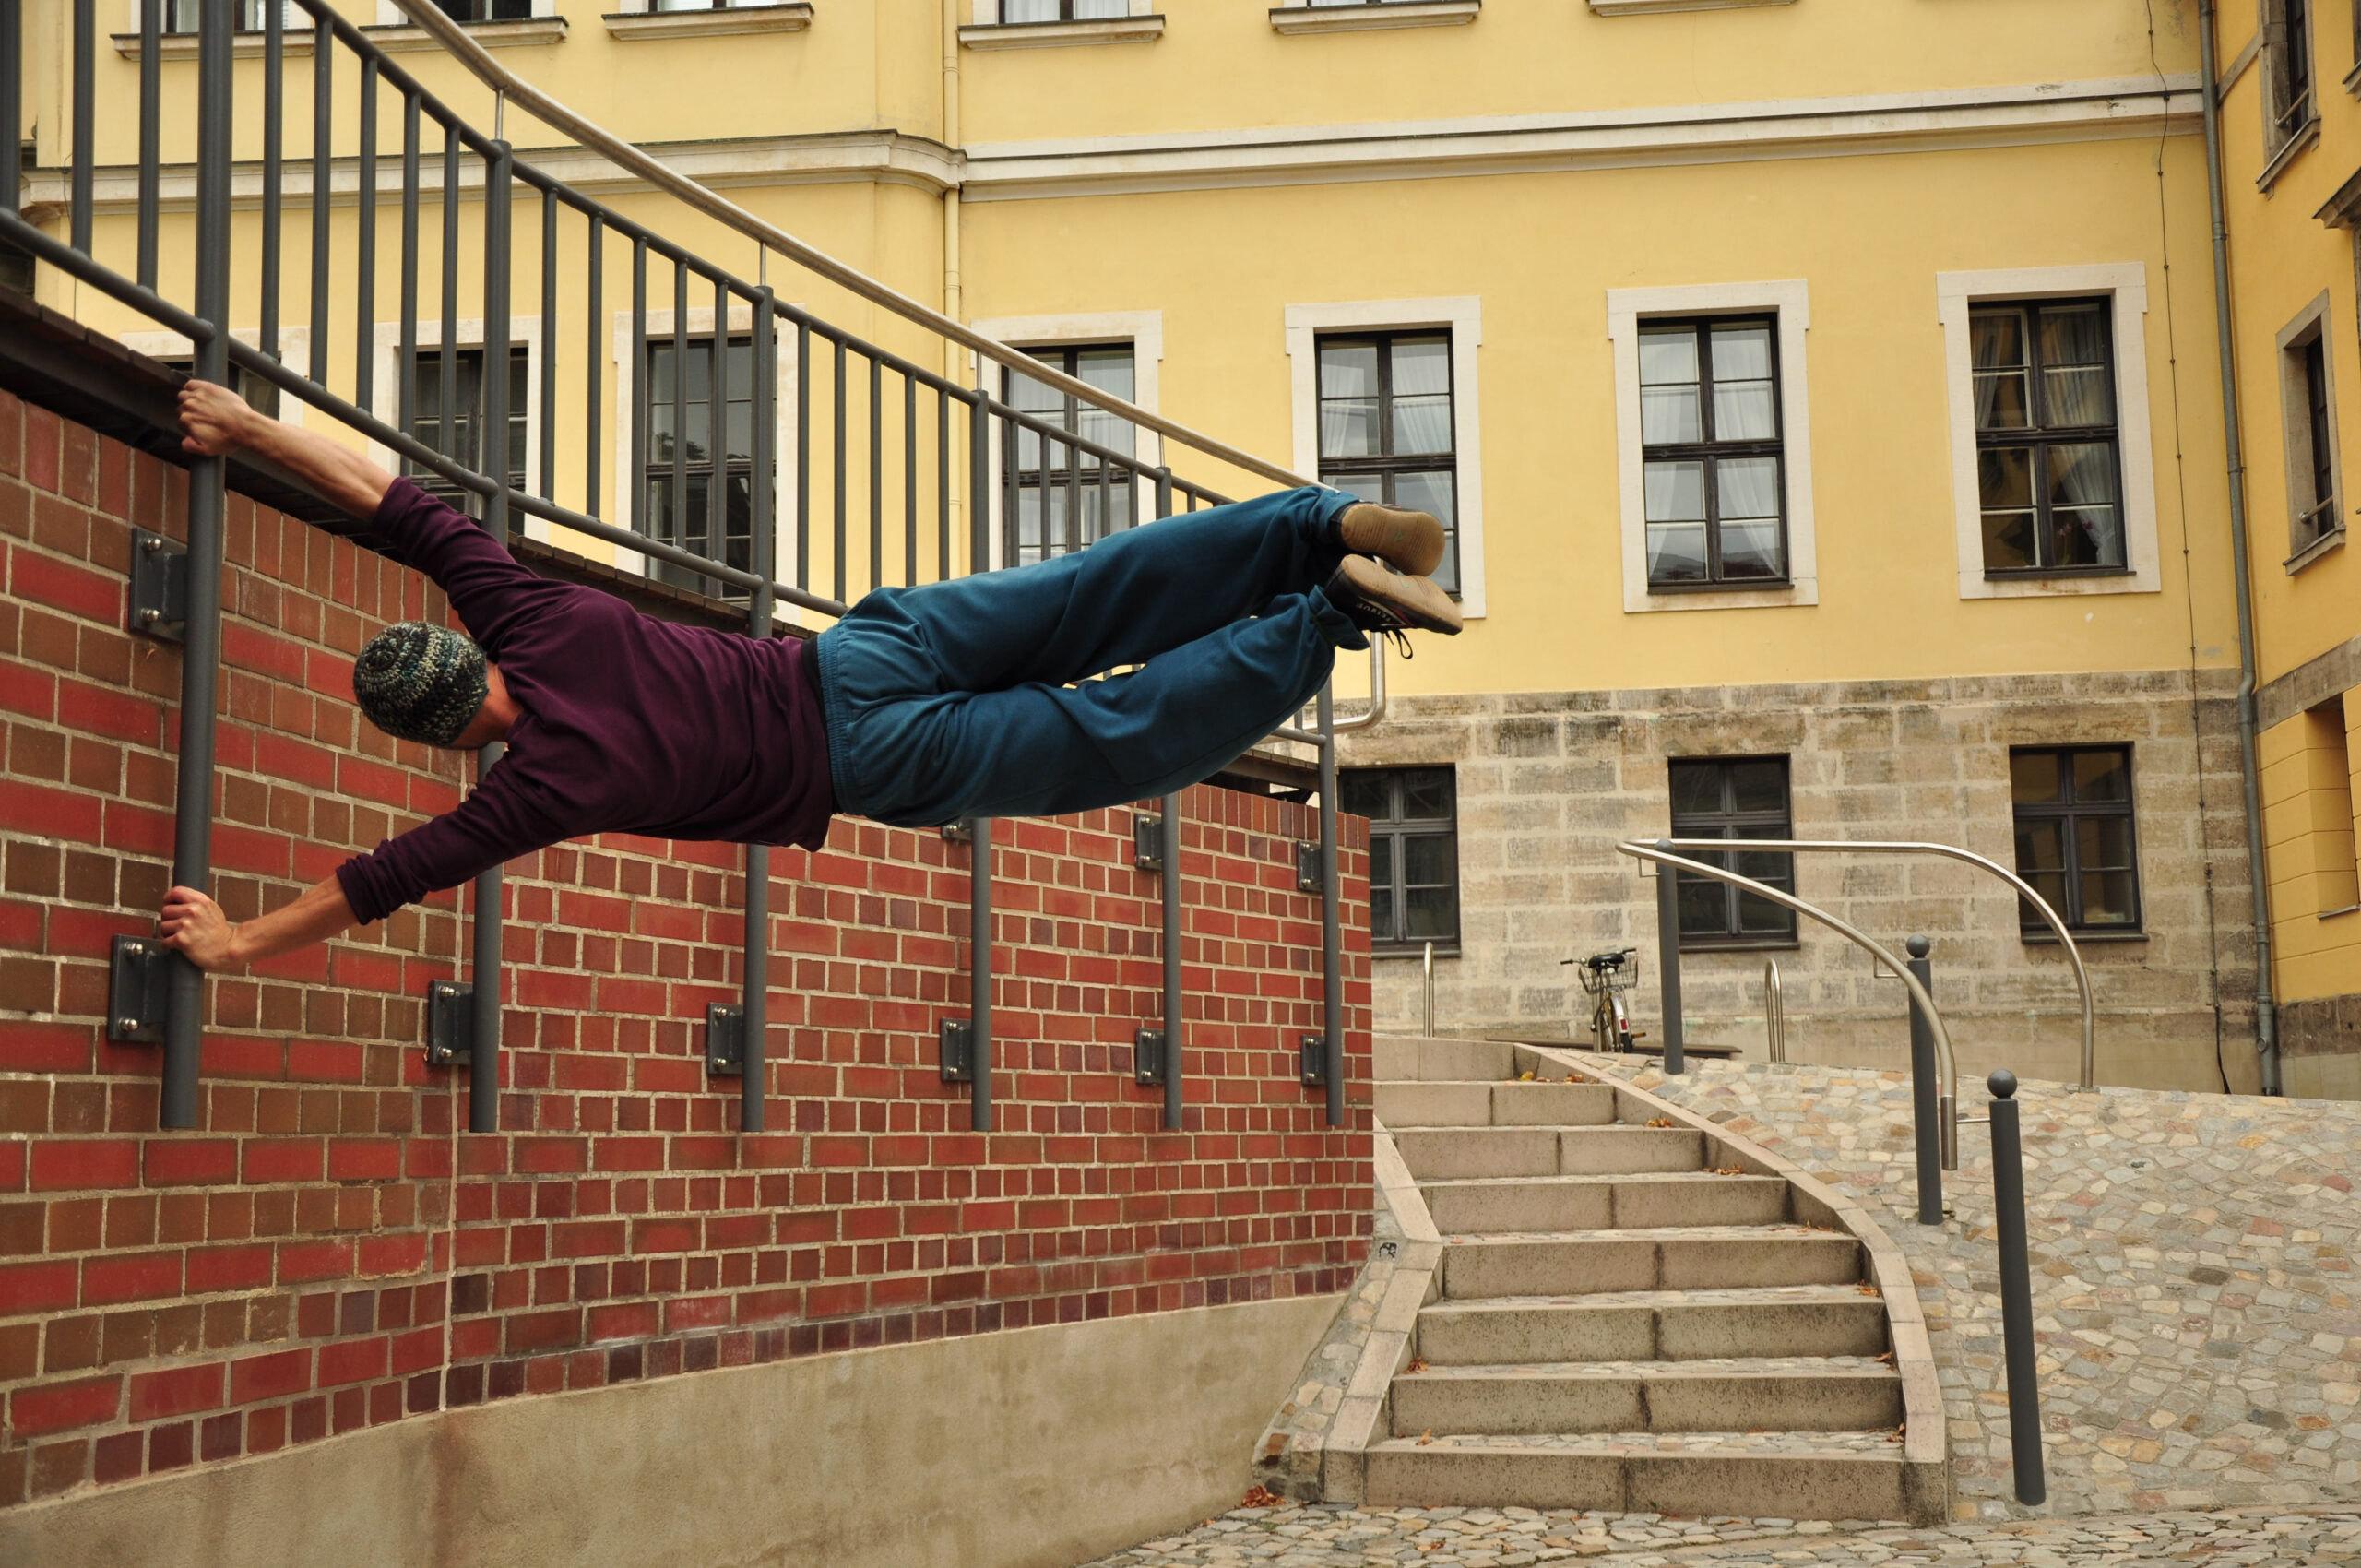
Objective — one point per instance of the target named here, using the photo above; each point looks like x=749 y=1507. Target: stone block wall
x=327 y=1252
x=1550 y=781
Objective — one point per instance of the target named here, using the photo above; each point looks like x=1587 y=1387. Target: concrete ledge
x=525 y=32
x=1031 y=1448
x=1368 y=17
x=793 y=17
x=1060 y=35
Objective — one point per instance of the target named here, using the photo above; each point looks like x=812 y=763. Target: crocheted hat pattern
x=420 y=682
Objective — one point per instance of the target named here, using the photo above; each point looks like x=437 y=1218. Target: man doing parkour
x=971 y=698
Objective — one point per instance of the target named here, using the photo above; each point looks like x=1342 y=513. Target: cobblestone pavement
x=2193 y=1288
x=1309 y=1536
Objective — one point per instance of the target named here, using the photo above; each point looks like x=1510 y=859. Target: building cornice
x=1814 y=127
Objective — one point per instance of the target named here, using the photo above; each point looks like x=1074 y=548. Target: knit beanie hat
x=420 y=682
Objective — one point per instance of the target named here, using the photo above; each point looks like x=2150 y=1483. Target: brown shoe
x=1411 y=540
x=1378 y=601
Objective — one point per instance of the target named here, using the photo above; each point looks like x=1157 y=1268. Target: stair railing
x=157 y=996
x=1947 y=1109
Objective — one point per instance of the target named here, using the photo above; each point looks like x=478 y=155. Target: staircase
x=1634 y=1311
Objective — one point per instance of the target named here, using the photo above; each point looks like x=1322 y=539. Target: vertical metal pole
x=323 y=139
x=641 y=394
x=979 y=971
x=549 y=351
x=446 y=361
x=1175 y=1028
x=1428 y=974
x=942 y=483
x=680 y=476
x=151 y=80
x=1668 y=960
x=406 y=372
x=761 y=559
x=717 y=485
x=840 y=594
x=2016 y=1291
x=595 y=291
x=1924 y=1079
x=910 y=480
x=876 y=474
x=1332 y=936
x=86 y=44
x=364 y=222
x=201 y=651
x=804 y=455
x=492 y=457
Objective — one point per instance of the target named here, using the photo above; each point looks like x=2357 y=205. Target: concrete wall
x=1037 y=1448
x=1548 y=781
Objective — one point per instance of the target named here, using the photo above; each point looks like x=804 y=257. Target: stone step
x=1405 y=1056
x=1447 y=1153
x=1484 y=1104
x=1663 y=1258
x=1749 y=1475
x=1653 y=1325
x=1605 y=1203
x=1785 y=1394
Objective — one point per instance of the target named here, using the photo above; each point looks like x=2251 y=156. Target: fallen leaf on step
x=1418 y=1363
x=1865 y=1288
x=1886 y=1355
x=1525 y=1078
x=1260 y=1497
x=1426 y=1437
x=1729 y=1171
x=1664 y=1122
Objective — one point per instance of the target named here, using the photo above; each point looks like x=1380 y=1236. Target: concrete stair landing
x=1629 y=1314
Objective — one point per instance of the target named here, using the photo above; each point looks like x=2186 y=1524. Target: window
x=180 y=16
x=1709 y=437
x=1413 y=853
x=2328 y=801
x=260 y=394
x=2047 y=464
x=1734 y=798
x=2074 y=838
x=487 y=10
x=681 y=472
x=2287 y=77
x=1386 y=432
x=1062 y=10
x=458 y=432
x=1056 y=498
x=2307 y=408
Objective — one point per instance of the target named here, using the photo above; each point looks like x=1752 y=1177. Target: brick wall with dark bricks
x=327 y=1251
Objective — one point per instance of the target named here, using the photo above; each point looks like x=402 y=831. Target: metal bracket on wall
x=450 y=1023
x=725 y=1039
x=1147 y=1057
x=159 y=586
x=1307 y=866
x=1147 y=845
x=958 y=1051
x=138 y=991
x=1316 y=1061
x=958 y=831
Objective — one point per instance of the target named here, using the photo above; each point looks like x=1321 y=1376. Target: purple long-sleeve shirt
x=630 y=725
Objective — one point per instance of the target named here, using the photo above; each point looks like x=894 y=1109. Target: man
x=922 y=706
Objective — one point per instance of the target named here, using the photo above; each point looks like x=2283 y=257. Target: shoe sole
x=1411 y=540
x=1416 y=599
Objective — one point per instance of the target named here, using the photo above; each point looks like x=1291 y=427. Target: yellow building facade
x=1823 y=396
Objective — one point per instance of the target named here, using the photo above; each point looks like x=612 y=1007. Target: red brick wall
x=327 y=1252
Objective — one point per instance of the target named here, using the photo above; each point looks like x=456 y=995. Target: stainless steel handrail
x=1430 y=963
x=1774 y=1012
x=1915 y=847
x=1947 y=1110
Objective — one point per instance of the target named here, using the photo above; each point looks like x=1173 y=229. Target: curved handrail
x=1774 y=1012
x=1917 y=846
x=1947 y=1109
x=625 y=155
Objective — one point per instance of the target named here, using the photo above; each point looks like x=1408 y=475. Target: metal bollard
x=1668 y=960
x=1430 y=990
x=1925 y=1098
x=1774 y=1011
x=2016 y=1291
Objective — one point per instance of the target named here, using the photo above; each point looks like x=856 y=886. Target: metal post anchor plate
x=450 y=1023
x=1307 y=866
x=138 y=991
x=957 y=1047
x=725 y=1039
x=1314 y=1048
x=1147 y=845
x=159 y=586
x=1147 y=1057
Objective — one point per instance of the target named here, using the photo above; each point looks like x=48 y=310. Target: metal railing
x=1774 y=1012
x=895 y=442
x=2040 y=905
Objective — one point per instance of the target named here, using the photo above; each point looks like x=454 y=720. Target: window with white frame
x=2290 y=96
x=1062 y=10
x=700 y=469
x=2307 y=417
x=1712 y=441
x=2053 y=480
x=1058 y=497
x=454 y=426
x=180 y=16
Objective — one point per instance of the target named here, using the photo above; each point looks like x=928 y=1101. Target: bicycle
x=1604 y=982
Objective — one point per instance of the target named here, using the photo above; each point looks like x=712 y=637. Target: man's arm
x=194 y=926
x=218 y=421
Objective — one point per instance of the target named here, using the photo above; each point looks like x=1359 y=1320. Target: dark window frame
x=2291 y=99
x=427 y=366
x=2038 y=437
x=1082 y=474
x=1399 y=828
x=1710 y=452
x=2314 y=513
x=2069 y=811
x=1385 y=465
x=656 y=479
x=1725 y=824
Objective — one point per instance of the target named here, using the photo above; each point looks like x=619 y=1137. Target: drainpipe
x=2266 y=1012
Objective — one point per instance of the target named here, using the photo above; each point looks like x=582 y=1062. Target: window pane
x=2041 y=847
x=1364 y=794
x=1422 y=367
x=1109 y=369
x=2000 y=401
x=1758 y=916
x=1997 y=340
x=1668 y=355
x=1759 y=786
x=2073 y=335
x=1676 y=491
x=1348 y=370
x=2051 y=885
x=2077 y=397
x=1434 y=493
x=1750 y=550
x=1028 y=10
x=2004 y=477
x=1426 y=793
x=1668 y=392
x=2102 y=775
x=2103 y=843
x=1380 y=859
x=1748 y=493
x=1430 y=914
x=1766 y=865
x=1704 y=907
x=1696 y=789
x=1421 y=424
x=2033 y=779
x=1429 y=859
x=2107 y=898
x=1669 y=413
x=1744 y=408
x=2085 y=528
x=1091 y=10
x=1348 y=427
x=1034 y=396
x=1742 y=352
x=1675 y=553
x=1382 y=924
